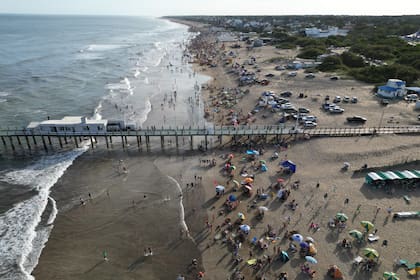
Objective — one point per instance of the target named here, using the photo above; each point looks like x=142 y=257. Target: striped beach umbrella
x=341 y=217
x=356 y=234
x=370 y=253
x=390 y=276
x=367 y=225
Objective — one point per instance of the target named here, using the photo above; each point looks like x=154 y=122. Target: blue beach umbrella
x=311 y=259
x=297 y=237
x=245 y=228
x=232 y=198
x=304 y=245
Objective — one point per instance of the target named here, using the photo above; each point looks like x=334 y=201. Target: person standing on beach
x=105 y=255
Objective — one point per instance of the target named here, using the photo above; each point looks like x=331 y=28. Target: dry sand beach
x=130 y=212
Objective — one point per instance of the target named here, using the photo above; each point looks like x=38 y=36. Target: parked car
x=337 y=99
x=334 y=78
x=327 y=98
x=292 y=74
x=309 y=124
x=286 y=94
x=336 y=110
x=326 y=106
x=309 y=118
x=303 y=110
x=356 y=119
x=411 y=97
x=354 y=99
x=346 y=99
x=310 y=76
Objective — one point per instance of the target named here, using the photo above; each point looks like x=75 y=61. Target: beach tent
x=372 y=177
x=289 y=164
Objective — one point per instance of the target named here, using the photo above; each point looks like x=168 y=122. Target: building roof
x=387 y=88
x=73 y=120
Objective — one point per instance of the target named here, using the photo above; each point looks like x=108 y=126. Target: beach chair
x=372 y=238
x=357 y=260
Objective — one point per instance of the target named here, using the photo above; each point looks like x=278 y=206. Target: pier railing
x=28 y=137
x=223 y=130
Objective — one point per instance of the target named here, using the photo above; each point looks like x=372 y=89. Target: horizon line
x=204 y=15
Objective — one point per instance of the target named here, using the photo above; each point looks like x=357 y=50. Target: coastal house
x=69 y=124
x=319 y=33
x=394 y=88
x=414 y=37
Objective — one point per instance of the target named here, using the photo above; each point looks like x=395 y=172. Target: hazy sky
x=212 y=7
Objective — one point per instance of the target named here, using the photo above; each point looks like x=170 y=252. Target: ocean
x=108 y=67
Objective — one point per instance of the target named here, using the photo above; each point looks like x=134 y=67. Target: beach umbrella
x=251 y=261
x=220 y=188
x=312 y=249
x=370 y=253
x=252 y=152
x=245 y=228
x=284 y=257
x=356 y=234
x=241 y=216
x=297 y=237
x=248 y=187
x=309 y=239
x=390 y=276
x=341 y=217
x=264 y=167
x=367 y=225
x=248 y=180
x=263 y=161
x=280 y=180
x=236 y=183
x=232 y=198
x=233 y=167
x=280 y=193
x=230 y=156
x=304 y=245
x=262 y=208
x=311 y=260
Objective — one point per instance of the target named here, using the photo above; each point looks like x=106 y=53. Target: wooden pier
x=27 y=139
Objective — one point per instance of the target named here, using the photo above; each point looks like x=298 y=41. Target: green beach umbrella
x=367 y=225
x=390 y=276
x=263 y=161
x=341 y=217
x=356 y=234
x=370 y=253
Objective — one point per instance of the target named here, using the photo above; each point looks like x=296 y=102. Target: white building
x=331 y=31
x=69 y=124
x=394 y=88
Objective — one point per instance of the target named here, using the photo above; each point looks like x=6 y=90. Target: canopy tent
x=373 y=177
x=289 y=164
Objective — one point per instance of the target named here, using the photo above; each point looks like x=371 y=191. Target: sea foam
x=20 y=236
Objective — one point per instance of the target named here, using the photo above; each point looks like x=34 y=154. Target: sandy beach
x=127 y=213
